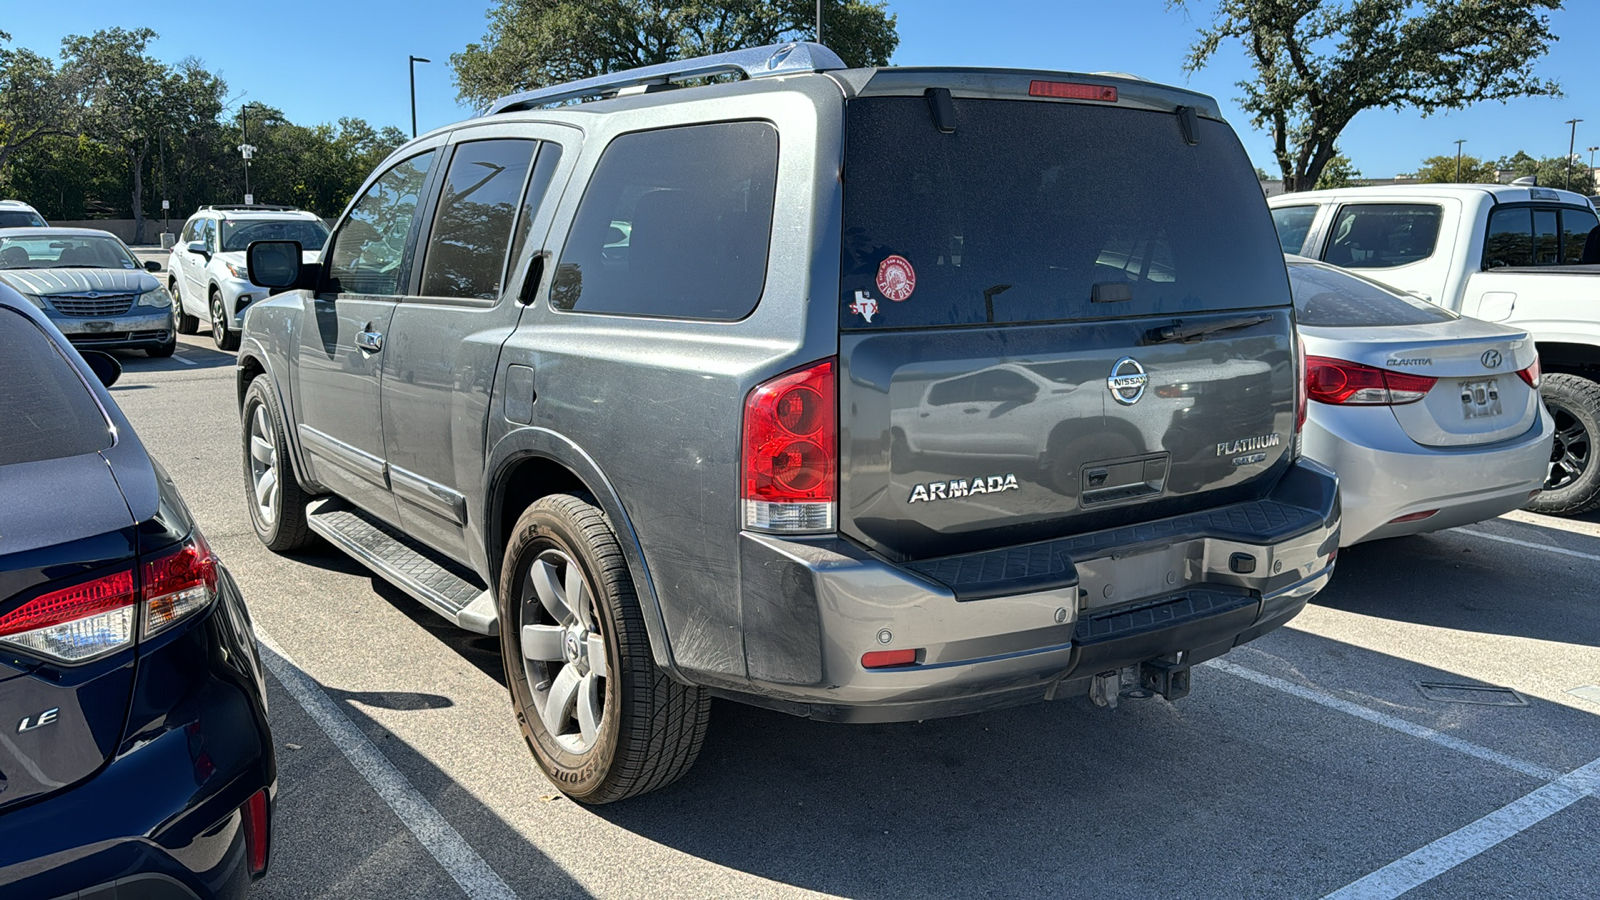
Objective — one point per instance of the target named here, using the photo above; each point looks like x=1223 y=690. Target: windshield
x=1038 y=211
x=15 y=219
x=1325 y=297
x=47 y=251
x=240 y=235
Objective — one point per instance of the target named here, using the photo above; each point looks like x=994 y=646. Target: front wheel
x=161 y=351
x=225 y=337
x=275 y=499
x=602 y=721
x=187 y=324
x=1573 y=484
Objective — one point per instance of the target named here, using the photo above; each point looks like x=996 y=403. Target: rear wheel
x=1573 y=485
x=603 y=722
x=225 y=337
x=275 y=499
x=187 y=324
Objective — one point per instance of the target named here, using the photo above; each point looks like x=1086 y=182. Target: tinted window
x=674 y=223
x=1510 y=240
x=240 y=235
x=11 y=219
x=1328 y=298
x=46 y=410
x=472 y=228
x=1381 y=235
x=1293 y=224
x=208 y=233
x=1031 y=209
x=1546 y=238
x=189 y=229
x=371 y=245
x=55 y=251
x=544 y=169
x=1576 y=226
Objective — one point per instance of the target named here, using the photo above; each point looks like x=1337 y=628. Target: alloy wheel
x=564 y=654
x=264 y=465
x=219 y=325
x=1572 y=451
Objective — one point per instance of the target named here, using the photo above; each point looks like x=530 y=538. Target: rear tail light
x=1532 y=374
x=89 y=620
x=257 y=833
x=791 y=452
x=1341 y=383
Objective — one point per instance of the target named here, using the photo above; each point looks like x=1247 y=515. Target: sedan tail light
x=791 y=452
x=1342 y=383
x=178 y=583
x=1532 y=374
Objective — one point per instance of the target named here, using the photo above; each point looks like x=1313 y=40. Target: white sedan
x=1430 y=419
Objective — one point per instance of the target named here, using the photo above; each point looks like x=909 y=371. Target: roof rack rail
x=754 y=62
x=221 y=207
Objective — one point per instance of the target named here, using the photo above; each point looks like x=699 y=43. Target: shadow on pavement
x=136 y=361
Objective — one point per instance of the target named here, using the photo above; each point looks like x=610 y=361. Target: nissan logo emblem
x=1127 y=381
x=1491 y=359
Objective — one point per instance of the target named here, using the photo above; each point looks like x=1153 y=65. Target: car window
x=674 y=223
x=1382 y=235
x=1546 y=238
x=1293 y=224
x=544 y=169
x=188 y=231
x=1510 y=240
x=208 y=234
x=371 y=244
x=14 y=219
x=466 y=255
x=1036 y=211
x=54 y=251
x=47 y=410
x=240 y=235
x=1576 y=227
x=1328 y=298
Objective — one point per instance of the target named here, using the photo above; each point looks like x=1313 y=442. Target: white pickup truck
x=1520 y=254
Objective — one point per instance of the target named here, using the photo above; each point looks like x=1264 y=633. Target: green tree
x=1318 y=63
x=1550 y=170
x=531 y=43
x=1340 y=172
x=35 y=101
x=1442 y=170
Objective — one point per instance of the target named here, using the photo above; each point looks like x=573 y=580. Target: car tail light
x=178 y=583
x=884 y=659
x=257 y=834
x=78 y=623
x=1069 y=90
x=1341 y=383
x=791 y=452
x=1532 y=374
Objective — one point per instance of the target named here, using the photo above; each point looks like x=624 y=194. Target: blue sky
x=321 y=60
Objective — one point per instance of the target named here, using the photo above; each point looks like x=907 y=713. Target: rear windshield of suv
x=1036 y=211
x=46 y=411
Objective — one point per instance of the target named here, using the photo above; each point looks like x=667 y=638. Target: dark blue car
x=135 y=758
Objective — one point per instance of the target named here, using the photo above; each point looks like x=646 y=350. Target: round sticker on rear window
x=896 y=278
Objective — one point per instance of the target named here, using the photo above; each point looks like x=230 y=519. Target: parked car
x=1430 y=419
x=136 y=759
x=659 y=462
x=1521 y=255
x=91 y=287
x=16 y=214
x=205 y=270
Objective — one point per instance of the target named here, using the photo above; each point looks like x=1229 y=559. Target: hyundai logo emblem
x=1127 y=381
x=1491 y=359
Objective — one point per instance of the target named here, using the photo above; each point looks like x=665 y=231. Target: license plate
x=1480 y=399
x=97 y=327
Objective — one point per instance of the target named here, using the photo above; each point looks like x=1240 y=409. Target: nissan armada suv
x=860 y=394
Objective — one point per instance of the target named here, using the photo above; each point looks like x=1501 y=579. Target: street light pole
x=245 y=150
x=414 y=61
x=1458 y=159
x=1572 y=145
x=819 y=21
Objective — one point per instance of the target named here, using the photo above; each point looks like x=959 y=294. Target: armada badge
x=1127 y=381
x=962 y=487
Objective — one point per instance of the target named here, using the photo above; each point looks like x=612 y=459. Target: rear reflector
x=256 y=832
x=1069 y=90
x=791 y=452
x=1532 y=375
x=1414 y=517
x=1342 y=383
x=77 y=623
x=883 y=659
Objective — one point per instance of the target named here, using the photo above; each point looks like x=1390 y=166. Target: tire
x=187 y=324
x=278 y=513
x=162 y=351
x=1573 y=485
x=225 y=337
x=648 y=728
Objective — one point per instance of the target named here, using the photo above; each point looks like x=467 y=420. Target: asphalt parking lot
x=1430 y=724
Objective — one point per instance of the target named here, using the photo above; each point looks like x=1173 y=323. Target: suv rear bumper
x=1168 y=590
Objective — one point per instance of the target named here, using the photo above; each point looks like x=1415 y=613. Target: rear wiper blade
x=1178 y=332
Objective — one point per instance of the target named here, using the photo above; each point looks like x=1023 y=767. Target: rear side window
x=1538 y=236
x=371 y=245
x=1328 y=298
x=472 y=228
x=1577 y=225
x=544 y=169
x=1293 y=224
x=1037 y=211
x=1383 y=235
x=45 y=409
x=675 y=223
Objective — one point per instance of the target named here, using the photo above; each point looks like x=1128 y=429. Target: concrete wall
x=122 y=228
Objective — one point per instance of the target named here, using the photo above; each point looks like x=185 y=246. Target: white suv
x=16 y=214
x=205 y=272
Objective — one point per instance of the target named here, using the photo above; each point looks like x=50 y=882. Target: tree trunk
x=138 y=194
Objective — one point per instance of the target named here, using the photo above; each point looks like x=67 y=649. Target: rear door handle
x=370 y=341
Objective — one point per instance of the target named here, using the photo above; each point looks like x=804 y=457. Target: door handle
x=370 y=341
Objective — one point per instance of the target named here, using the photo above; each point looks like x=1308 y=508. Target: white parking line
x=1455 y=848
x=1529 y=544
x=187 y=362
x=1395 y=723
x=431 y=829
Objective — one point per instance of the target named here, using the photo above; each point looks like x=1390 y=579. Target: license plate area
x=1480 y=399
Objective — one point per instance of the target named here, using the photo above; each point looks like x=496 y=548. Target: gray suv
x=859 y=394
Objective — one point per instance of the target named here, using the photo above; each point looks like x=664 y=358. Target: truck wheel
x=224 y=337
x=187 y=324
x=602 y=721
x=275 y=499
x=1573 y=485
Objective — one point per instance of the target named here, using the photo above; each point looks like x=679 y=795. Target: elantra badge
x=1127 y=381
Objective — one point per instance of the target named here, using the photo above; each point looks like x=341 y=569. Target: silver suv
x=860 y=394
x=205 y=271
